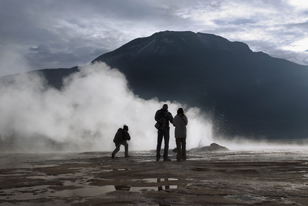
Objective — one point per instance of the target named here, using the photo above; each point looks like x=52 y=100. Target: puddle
x=248 y=199
x=45 y=192
x=79 y=188
x=120 y=169
x=155 y=180
x=24 y=193
x=50 y=177
x=110 y=170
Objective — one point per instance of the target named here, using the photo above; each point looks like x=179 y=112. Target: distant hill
x=247 y=93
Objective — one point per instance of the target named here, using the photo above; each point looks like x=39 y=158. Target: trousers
x=115 y=151
x=163 y=134
x=181 y=148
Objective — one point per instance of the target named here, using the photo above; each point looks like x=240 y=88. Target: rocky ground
x=206 y=178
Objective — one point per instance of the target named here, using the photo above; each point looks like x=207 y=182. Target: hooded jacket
x=180 y=122
x=121 y=136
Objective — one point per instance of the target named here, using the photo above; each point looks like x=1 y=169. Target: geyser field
x=270 y=177
x=56 y=150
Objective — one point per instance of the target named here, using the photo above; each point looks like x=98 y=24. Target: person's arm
x=186 y=119
x=170 y=117
x=174 y=121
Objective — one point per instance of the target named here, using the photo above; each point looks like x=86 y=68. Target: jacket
x=180 y=123
x=121 y=136
x=162 y=113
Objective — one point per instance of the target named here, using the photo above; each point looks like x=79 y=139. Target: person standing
x=119 y=139
x=163 y=133
x=179 y=122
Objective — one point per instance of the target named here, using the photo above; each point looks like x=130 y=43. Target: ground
x=94 y=178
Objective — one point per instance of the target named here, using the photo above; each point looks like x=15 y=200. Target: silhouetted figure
x=119 y=139
x=180 y=121
x=163 y=133
x=160 y=187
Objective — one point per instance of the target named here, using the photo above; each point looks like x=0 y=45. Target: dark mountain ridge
x=175 y=43
x=246 y=93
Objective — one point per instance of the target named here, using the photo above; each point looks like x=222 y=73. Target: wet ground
x=94 y=178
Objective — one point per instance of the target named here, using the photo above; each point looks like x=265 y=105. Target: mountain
x=246 y=93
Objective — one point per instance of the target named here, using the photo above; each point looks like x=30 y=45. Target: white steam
x=85 y=114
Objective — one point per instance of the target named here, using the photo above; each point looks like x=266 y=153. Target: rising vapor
x=85 y=114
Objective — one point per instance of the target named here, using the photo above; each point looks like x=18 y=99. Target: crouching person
x=119 y=139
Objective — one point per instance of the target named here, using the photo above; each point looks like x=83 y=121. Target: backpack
x=119 y=136
x=161 y=123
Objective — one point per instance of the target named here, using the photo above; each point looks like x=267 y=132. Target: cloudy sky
x=38 y=34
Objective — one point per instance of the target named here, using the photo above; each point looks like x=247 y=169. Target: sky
x=39 y=34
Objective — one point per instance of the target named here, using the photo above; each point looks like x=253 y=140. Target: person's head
x=165 y=106
x=181 y=111
x=125 y=127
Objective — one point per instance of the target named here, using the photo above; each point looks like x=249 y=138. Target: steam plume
x=85 y=114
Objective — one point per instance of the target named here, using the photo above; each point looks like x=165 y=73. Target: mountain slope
x=248 y=93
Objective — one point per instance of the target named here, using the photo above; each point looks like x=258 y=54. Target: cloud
x=12 y=61
x=63 y=34
x=298 y=4
x=298 y=46
x=85 y=114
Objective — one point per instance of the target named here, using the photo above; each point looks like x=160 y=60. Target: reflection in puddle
x=121 y=169
x=165 y=186
x=155 y=180
x=110 y=170
x=82 y=190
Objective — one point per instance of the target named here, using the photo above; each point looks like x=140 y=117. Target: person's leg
x=160 y=188
x=183 y=148
x=178 y=149
x=159 y=141
x=115 y=151
x=126 y=148
x=166 y=147
x=167 y=186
